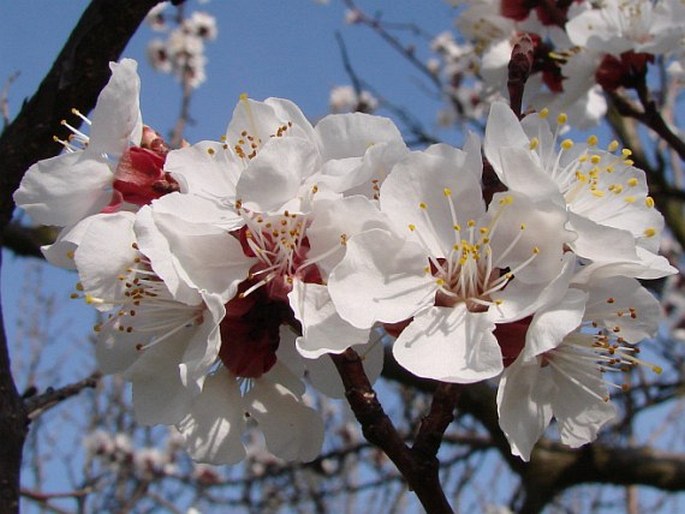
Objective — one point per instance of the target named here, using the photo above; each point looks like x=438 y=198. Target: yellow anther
x=650 y=232
x=440 y=282
x=534 y=143
x=613 y=146
x=562 y=118
x=649 y=202
x=79 y=286
x=90 y=299
x=543 y=113
x=447 y=191
x=567 y=144
x=598 y=193
x=581 y=177
x=657 y=369
x=536 y=250
x=595 y=159
x=523 y=226
x=412 y=227
x=422 y=205
x=499 y=302
x=210 y=151
x=243 y=97
x=455 y=247
x=632 y=182
x=592 y=140
x=484 y=230
x=628 y=162
x=626 y=152
x=471 y=223
x=507 y=200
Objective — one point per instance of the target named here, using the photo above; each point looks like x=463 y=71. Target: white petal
x=65 y=189
x=381 y=278
x=206 y=169
x=116 y=351
x=203 y=347
x=274 y=176
x=524 y=405
x=159 y=394
x=214 y=427
x=157 y=248
x=501 y=131
x=580 y=415
x=352 y=134
x=61 y=252
x=624 y=307
x=323 y=330
x=450 y=344
x=601 y=243
x=419 y=190
x=104 y=255
x=292 y=430
x=116 y=119
x=335 y=220
x=553 y=323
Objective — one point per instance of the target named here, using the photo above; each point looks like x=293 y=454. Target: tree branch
x=36 y=405
x=418 y=468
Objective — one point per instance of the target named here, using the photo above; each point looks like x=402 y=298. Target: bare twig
x=37 y=405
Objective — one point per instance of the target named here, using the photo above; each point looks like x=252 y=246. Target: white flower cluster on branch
x=183 y=51
x=581 y=50
x=228 y=270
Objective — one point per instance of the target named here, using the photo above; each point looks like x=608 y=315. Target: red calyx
x=250 y=332
x=140 y=177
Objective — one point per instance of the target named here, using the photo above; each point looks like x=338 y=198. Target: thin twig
x=37 y=405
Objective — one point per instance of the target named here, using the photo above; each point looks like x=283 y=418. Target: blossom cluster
x=228 y=270
x=182 y=53
x=581 y=49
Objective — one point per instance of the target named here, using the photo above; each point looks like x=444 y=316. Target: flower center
x=281 y=246
x=146 y=307
x=471 y=272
